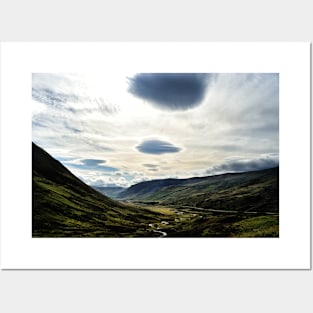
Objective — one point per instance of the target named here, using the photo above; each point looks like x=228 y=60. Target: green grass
x=260 y=226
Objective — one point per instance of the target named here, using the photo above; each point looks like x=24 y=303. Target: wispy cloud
x=73 y=103
x=57 y=91
x=50 y=97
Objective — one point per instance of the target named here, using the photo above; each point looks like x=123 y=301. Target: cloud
x=237 y=164
x=67 y=93
x=73 y=103
x=96 y=179
x=247 y=101
x=100 y=168
x=92 y=162
x=154 y=146
x=64 y=159
x=116 y=179
x=171 y=91
x=150 y=165
x=50 y=97
x=87 y=164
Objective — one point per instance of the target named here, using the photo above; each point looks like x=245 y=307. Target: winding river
x=163 y=233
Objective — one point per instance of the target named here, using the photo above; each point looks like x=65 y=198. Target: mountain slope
x=144 y=189
x=64 y=206
x=249 y=191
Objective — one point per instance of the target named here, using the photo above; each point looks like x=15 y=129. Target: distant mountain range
x=111 y=192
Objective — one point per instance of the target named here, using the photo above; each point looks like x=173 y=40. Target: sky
x=113 y=129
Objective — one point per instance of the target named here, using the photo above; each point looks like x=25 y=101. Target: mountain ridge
x=149 y=189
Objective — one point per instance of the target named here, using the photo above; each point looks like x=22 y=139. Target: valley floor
x=187 y=221
x=157 y=220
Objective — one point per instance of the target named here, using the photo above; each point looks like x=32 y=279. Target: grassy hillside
x=63 y=206
x=244 y=192
x=228 y=205
x=149 y=188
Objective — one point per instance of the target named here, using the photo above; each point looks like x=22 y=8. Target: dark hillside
x=144 y=189
x=64 y=206
x=45 y=166
x=249 y=191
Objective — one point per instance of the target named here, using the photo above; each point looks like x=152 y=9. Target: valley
x=200 y=222
x=228 y=205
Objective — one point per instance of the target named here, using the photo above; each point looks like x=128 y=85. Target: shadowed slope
x=65 y=206
x=249 y=191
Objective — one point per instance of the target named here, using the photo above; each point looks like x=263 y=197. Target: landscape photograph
x=155 y=155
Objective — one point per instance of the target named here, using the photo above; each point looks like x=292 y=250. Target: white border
x=290 y=251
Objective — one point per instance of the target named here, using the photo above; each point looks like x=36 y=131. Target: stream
x=163 y=233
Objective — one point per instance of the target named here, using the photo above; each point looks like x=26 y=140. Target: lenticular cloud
x=171 y=91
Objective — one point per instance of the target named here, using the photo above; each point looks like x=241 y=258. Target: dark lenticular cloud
x=154 y=146
x=171 y=91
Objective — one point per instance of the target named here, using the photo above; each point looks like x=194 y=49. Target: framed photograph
x=155 y=155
